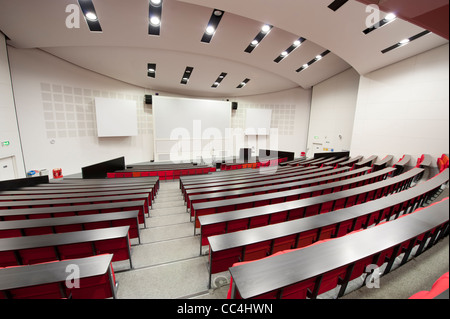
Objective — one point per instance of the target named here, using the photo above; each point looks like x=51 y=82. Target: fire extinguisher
x=57 y=173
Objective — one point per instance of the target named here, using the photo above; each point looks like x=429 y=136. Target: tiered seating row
x=166 y=174
x=312 y=270
x=309 y=206
x=93 y=278
x=234 y=166
x=46 y=236
x=260 y=242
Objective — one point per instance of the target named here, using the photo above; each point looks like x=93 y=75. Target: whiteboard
x=116 y=117
x=189 y=118
x=257 y=121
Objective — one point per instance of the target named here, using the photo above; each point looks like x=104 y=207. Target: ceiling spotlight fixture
x=316 y=59
x=406 y=41
x=265 y=30
x=289 y=50
x=155 y=17
x=212 y=26
x=243 y=83
x=88 y=9
x=388 y=19
x=187 y=74
x=151 y=70
x=337 y=4
x=219 y=80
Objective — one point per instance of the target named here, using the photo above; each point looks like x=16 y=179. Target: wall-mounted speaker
x=234 y=105
x=148 y=99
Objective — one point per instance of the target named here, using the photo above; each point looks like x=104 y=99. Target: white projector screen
x=257 y=121
x=116 y=117
x=189 y=126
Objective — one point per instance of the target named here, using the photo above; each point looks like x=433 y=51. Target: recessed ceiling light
x=404 y=41
x=88 y=9
x=259 y=37
x=212 y=25
x=316 y=59
x=91 y=16
x=210 y=30
x=289 y=50
x=155 y=21
x=151 y=70
x=266 y=28
x=390 y=16
x=155 y=16
x=243 y=83
x=186 y=75
x=219 y=80
x=156 y=2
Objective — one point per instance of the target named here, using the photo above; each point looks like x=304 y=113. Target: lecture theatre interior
x=218 y=151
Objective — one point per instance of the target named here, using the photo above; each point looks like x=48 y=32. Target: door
x=7 y=170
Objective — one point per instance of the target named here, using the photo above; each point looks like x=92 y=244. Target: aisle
x=167 y=264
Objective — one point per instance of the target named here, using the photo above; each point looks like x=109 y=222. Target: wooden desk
x=275 y=273
x=56 y=272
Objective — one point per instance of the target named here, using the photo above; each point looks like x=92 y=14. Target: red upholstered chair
x=73 y=251
x=47 y=291
x=96 y=287
x=10 y=233
x=7 y=259
x=37 y=255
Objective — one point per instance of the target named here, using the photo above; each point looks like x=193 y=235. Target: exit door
x=7 y=170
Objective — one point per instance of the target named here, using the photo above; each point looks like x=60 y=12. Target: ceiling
x=124 y=48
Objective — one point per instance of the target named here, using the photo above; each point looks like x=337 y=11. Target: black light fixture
x=316 y=59
x=90 y=15
x=154 y=17
x=259 y=37
x=219 y=80
x=388 y=19
x=187 y=74
x=151 y=70
x=337 y=4
x=289 y=50
x=213 y=23
x=405 y=41
x=243 y=83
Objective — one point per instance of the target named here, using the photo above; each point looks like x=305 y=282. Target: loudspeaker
x=234 y=105
x=148 y=99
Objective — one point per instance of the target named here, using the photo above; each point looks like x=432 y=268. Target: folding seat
x=110 y=175
x=326 y=207
x=327 y=232
x=97 y=225
x=39 y=216
x=169 y=175
x=136 y=174
x=277 y=200
x=259 y=221
x=257 y=250
x=284 y=243
x=68 y=228
x=120 y=175
x=176 y=174
x=236 y=225
x=46 y=291
x=291 y=198
x=145 y=174
x=38 y=231
x=15 y=217
x=278 y=217
x=298 y=290
x=73 y=251
x=133 y=231
x=96 y=287
x=339 y=204
x=153 y=173
x=296 y=213
x=10 y=233
x=352 y=200
x=37 y=255
x=306 y=238
x=7 y=259
x=312 y=210
x=222 y=260
x=118 y=247
x=305 y=195
x=191 y=171
x=212 y=230
x=162 y=175
x=222 y=209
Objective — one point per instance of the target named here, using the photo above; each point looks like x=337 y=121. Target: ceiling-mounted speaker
x=148 y=99
x=234 y=105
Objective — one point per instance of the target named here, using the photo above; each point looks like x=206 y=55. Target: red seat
x=47 y=291
x=37 y=255
x=118 y=247
x=7 y=259
x=10 y=233
x=73 y=251
x=96 y=287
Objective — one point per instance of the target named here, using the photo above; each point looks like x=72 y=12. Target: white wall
x=56 y=115
x=290 y=118
x=8 y=123
x=404 y=108
x=332 y=113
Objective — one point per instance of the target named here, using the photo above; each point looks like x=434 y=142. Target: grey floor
x=168 y=265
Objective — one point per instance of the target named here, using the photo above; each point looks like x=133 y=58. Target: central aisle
x=167 y=263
